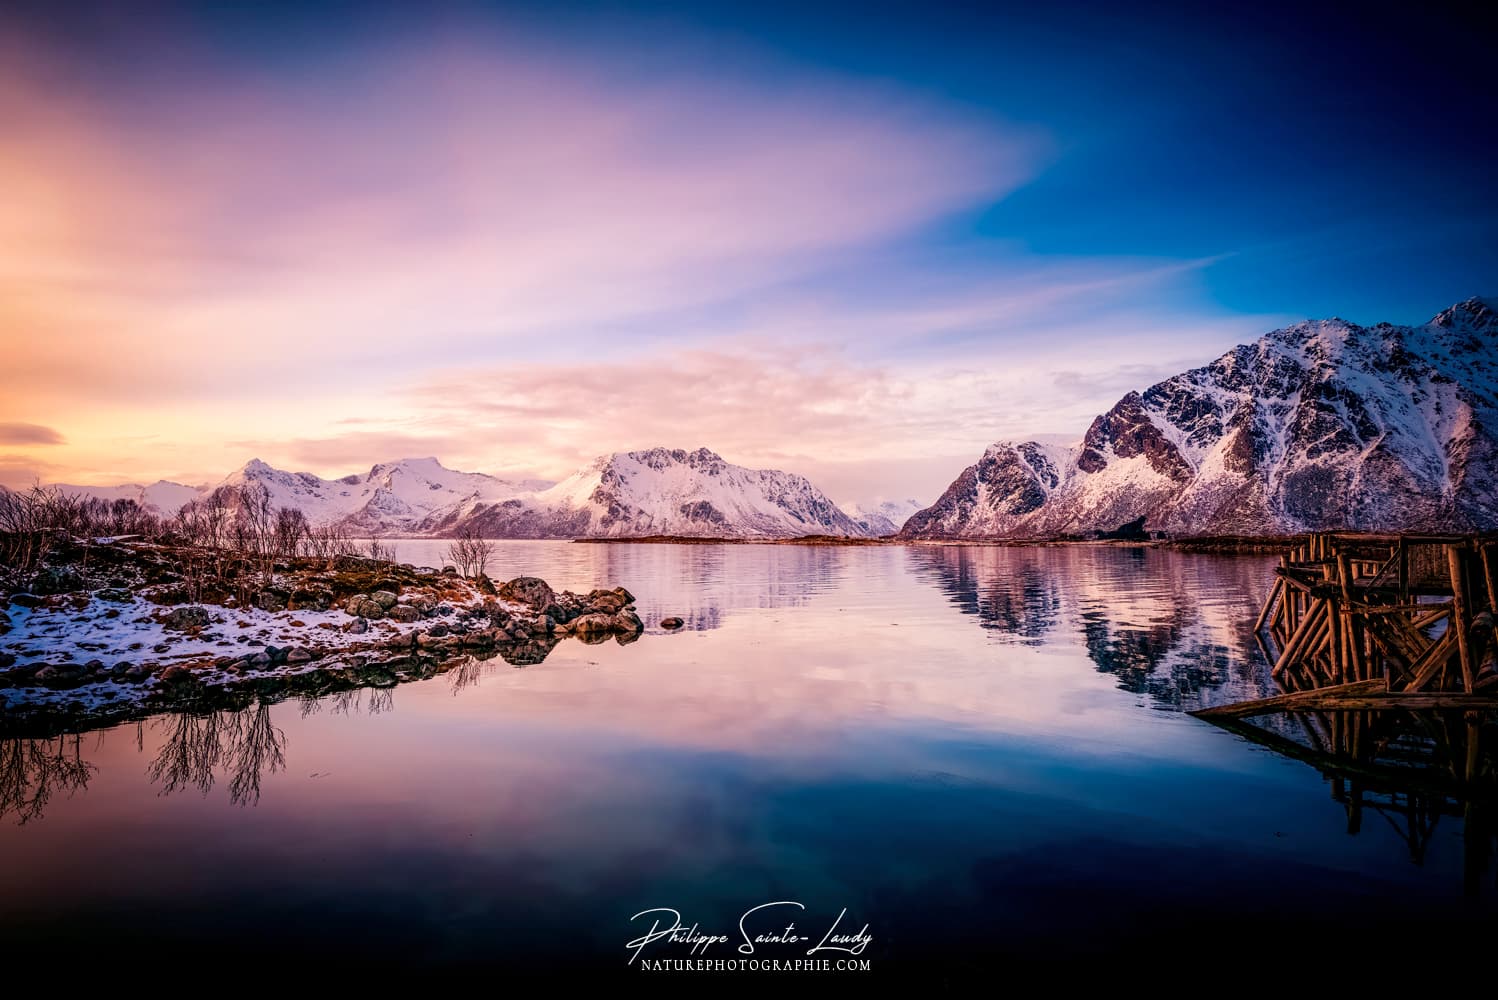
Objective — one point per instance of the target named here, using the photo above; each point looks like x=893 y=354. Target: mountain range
x=626 y=494
x=1319 y=425
x=1322 y=424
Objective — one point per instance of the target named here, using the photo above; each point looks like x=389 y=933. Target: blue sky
x=910 y=228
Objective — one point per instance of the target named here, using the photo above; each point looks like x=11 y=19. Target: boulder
x=486 y=586
x=176 y=672
x=628 y=621
x=534 y=592
x=366 y=609
x=57 y=580
x=404 y=613
x=117 y=595
x=672 y=622
x=299 y=654
x=385 y=599
x=593 y=624
x=605 y=601
x=357 y=627
x=192 y=616
x=271 y=600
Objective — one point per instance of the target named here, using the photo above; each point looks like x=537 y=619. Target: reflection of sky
x=864 y=744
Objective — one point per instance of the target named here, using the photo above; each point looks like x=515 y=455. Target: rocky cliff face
x=1323 y=424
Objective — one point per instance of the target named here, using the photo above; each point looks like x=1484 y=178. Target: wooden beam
x=1309 y=630
x=1287 y=702
x=1274 y=593
x=1456 y=562
x=1488 y=575
x=1431 y=662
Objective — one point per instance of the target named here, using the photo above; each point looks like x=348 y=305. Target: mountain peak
x=1478 y=313
x=660 y=457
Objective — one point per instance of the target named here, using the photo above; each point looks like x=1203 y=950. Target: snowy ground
x=122 y=635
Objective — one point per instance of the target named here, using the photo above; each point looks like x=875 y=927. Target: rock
x=557 y=613
x=57 y=580
x=45 y=674
x=534 y=592
x=385 y=599
x=363 y=606
x=137 y=673
x=271 y=600
x=486 y=586
x=93 y=665
x=628 y=621
x=672 y=622
x=438 y=630
x=192 y=616
x=118 y=595
x=626 y=595
x=404 y=613
x=299 y=654
x=605 y=601
x=311 y=598
x=593 y=624
x=357 y=627
x=5 y=624
x=26 y=600
x=176 y=672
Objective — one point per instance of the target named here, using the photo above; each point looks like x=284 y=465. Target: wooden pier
x=1364 y=622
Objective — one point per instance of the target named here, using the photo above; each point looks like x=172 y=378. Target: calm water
x=979 y=752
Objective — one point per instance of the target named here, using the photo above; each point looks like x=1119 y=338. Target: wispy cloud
x=517 y=259
x=23 y=433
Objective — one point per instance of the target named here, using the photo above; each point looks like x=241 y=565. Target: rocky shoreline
x=118 y=628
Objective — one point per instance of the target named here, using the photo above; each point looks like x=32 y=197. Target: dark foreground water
x=980 y=753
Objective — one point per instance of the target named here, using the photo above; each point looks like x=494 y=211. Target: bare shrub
x=470 y=552
x=383 y=551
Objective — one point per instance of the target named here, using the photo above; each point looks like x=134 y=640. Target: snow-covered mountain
x=879 y=520
x=653 y=492
x=665 y=492
x=1324 y=424
x=392 y=497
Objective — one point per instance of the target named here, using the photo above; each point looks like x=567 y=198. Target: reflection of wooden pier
x=1384 y=648
x=1367 y=622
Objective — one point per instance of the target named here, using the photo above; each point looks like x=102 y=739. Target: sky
x=855 y=241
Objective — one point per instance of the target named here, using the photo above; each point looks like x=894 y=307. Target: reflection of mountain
x=1172 y=626
x=701 y=584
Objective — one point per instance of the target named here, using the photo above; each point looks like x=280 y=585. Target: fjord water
x=980 y=752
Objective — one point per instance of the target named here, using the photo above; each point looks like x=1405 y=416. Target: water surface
x=980 y=752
